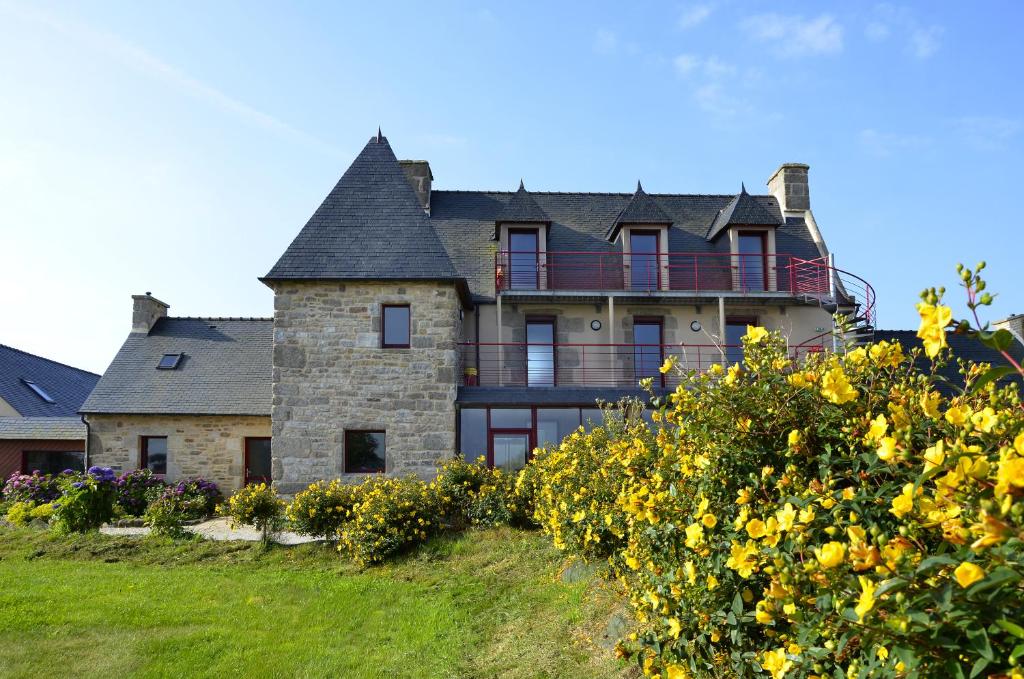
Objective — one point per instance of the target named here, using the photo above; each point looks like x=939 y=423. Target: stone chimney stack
x=789 y=186
x=419 y=175
x=146 y=311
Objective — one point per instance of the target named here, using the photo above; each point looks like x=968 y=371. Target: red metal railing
x=510 y=364
x=560 y=270
x=851 y=294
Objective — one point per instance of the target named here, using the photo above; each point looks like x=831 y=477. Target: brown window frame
x=657 y=256
x=345 y=464
x=535 y=232
x=144 y=453
x=383 y=326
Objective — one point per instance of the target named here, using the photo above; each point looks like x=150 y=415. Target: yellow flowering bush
x=849 y=516
x=255 y=505
x=391 y=515
x=324 y=507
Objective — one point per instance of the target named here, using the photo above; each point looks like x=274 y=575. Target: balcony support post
x=721 y=330
x=501 y=348
x=611 y=340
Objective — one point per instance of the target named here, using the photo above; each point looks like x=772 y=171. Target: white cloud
x=988 y=133
x=685 y=64
x=886 y=144
x=711 y=68
x=921 y=41
x=876 y=31
x=924 y=42
x=795 y=36
x=605 y=41
x=694 y=15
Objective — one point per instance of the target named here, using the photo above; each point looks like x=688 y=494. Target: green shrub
x=392 y=515
x=86 y=502
x=167 y=514
x=256 y=505
x=323 y=508
x=458 y=482
x=20 y=513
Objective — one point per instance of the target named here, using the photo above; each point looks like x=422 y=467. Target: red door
x=257 y=460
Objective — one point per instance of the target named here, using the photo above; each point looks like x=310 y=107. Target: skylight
x=40 y=392
x=169 y=361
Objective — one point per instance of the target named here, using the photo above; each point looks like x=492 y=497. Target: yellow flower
x=934 y=319
x=786 y=516
x=743 y=497
x=794 y=438
x=709 y=520
x=668 y=364
x=763 y=612
x=831 y=554
x=867 y=596
x=694 y=535
x=958 y=415
x=715 y=636
x=777 y=663
x=674 y=628
x=1011 y=473
x=885 y=354
x=755 y=334
x=877 y=430
x=756 y=528
x=836 y=387
x=934 y=455
x=930 y=404
x=676 y=672
x=712 y=583
x=733 y=374
x=968 y=573
x=806 y=514
x=886 y=448
x=903 y=503
x=633 y=562
x=741 y=558
x=743 y=424
x=985 y=420
x=883 y=653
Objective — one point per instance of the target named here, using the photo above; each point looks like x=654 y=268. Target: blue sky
x=179 y=147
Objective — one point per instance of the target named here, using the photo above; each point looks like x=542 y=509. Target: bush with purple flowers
x=137 y=489
x=87 y=501
x=35 y=487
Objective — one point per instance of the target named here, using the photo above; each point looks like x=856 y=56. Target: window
x=169 y=361
x=540 y=352
x=53 y=462
x=753 y=273
x=364 y=452
x=257 y=460
x=554 y=424
x=511 y=418
x=394 y=330
x=38 y=390
x=735 y=329
x=647 y=349
x=644 y=271
x=154 y=454
x=524 y=259
x=473 y=433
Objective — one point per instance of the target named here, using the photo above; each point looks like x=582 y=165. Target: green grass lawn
x=484 y=604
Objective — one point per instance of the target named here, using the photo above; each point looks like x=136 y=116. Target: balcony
x=594 y=365
x=524 y=271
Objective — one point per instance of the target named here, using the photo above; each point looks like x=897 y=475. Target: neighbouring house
x=411 y=324
x=961 y=347
x=40 y=428
x=186 y=397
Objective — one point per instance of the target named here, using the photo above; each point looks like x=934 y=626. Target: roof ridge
x=605 y=193
x=219 y=318
x=48 y=360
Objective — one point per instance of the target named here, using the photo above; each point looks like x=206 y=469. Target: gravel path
x=217 y=529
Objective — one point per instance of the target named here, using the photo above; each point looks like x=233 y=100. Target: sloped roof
x=225 y=370
x=641 y=209
x=67 y=386
x=961 y=346
x=523 y=209
x=743 y=210
x=44 y=428
x=370 y=227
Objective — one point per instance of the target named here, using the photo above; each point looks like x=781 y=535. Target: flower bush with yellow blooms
x=391 y=515
x=324 y=507
x=255 y=505
x=850 y=515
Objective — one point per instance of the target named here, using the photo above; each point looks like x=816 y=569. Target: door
x=647 y=349
x=523 y=259
x=510 y=449
x=257 y=460
x=735 y=329
x=644 y=273
x=540 y=352
x=753 y=264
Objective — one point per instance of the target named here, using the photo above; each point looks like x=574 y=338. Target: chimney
x=1015 y=324
x=789 y=186
x=419 y=175
x=146 y=311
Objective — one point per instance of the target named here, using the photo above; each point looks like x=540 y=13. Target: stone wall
x=210 y=446
x=331 y=375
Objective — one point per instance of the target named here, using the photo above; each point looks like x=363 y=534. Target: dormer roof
x=743 y=210
x=641 y=209
x=520 y=209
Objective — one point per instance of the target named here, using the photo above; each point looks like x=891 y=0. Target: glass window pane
x=364 y=451
x=752 y=264
x=510 y=451
x=643 y=248
x=554 y=424
x=511 y=418
x=734 y=333
x=155 y=448
x=47 y=462
x=540 y=354
x=591 y=417
x=396 y=326
x=473 y=433
x=523 y=259
x=258 y=459
x=647 y=354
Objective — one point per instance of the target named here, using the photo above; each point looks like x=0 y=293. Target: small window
x=154 y=454
x=39 y=391
x=395 y=326
x=364 y=452
x=169 y=361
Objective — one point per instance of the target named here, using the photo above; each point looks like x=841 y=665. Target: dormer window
x=39 y=391
x=753 y=261
x=169 y=361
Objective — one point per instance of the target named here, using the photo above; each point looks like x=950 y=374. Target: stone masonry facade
x=330 y=375
x=207 y=446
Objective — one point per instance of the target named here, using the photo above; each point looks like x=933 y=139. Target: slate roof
x=370 y=227
x=641 y=209
x=45 y=428
x=67 y=386
x=522 y=209
x=962 y=347
x=743 y=210
x=225 y=370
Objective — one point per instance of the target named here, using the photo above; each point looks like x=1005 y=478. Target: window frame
x=38 y=390
x=490 y=429
x=743 y=256
x=522 y=231
x=344 y=462
x=542 y=320
x=660 y=322
x=384 y=325
x=656 y=255
x=739 y=319
x=144 y=453
x=174 y=366
x=25 y=453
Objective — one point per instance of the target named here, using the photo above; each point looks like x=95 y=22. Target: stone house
x=39 y=425
x=411 y=324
